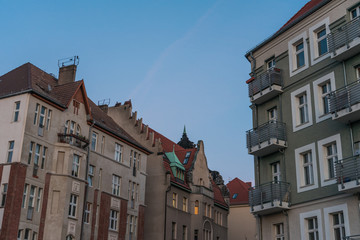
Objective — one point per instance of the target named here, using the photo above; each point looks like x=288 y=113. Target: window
x=173 y=230
x=318 y=41
x=355 y=12
x=76 y=105
x=131 y=156
x=27 y=234
x=196 y=209
x=38 y=199
x=310 y=225
x=113 y=220
x=43 y=157
x=93 y=141
x=184 y=234
x=276 y=174
x=32 y=196
x=91 y=175
x=322 y=87
x=30 y=152
x=235 y=196
x=116 y=185
x=306 y=169
x=272 y=114
x=329 y=153
x=357 y=69
x=279 y=231
x=42 y=117
x=118 y=152
x=298 y=54
x=75 y=165
x=37 y=155
x=336 y=222
x=301 y=108
x=34 y=236
x=24 y=195
x=19 y=236
x=187 y=156
x=87 y=213
x=270 y=63
x=185 y=204
x=102 y=145
x=16 y=111
x=174 y=200
x=36 y=113
x=48 y=119
x=72 y=205
x=3 y=194
x=10 y=151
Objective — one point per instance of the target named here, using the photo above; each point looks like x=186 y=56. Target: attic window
x=187 y=156
x=76 y=106
x=235 y=195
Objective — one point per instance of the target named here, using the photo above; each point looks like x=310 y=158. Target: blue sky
x=180 y=62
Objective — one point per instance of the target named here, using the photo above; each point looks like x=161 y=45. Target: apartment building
x=67 y=170
x=304 y=94
x=183 y=200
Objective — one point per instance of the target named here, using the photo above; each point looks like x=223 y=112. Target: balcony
x=348 y=174
x=202 y=190
x=345 y=103
x=344 y=42
x=266 y=139
x=269 y=198
x=353 y=237
x=265 y=86
x=74 y=140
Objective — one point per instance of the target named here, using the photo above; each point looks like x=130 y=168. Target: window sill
x=73 y=218
x=306 y=186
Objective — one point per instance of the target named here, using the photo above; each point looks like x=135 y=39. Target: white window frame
x=75 y=166
x=174 y=200
x=270 y=63
x=277 y=174
x=293 y=69
x=23 y=204
x=87 y=214
x=185 y=204
x=272 y=114
x=323 y=24
x=73 y=205
x=301 y=187
x=357 y=9
x=16 y=111
x=115 y=186
x=91 y=174
x=295 y=108
x=118 y=153
x=318 y=97
x=329 y=221
x=323 y=164
x=10 y=152
x=48 y=119
x=38 y=199
x=303 y=223
x=279 y=235
x=113 y=224
x=94 y=137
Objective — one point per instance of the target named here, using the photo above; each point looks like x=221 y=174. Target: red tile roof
x=236 y=186
x=218 y=197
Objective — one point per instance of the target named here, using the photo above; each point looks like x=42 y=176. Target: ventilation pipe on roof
x=67 y=69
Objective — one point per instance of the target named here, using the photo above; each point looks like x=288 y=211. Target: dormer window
x=187 y=156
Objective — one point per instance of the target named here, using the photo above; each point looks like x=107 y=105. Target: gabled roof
x=31 y=79
x=174 y=161
x=309 y=8
x=239 y=191
x=218 y=197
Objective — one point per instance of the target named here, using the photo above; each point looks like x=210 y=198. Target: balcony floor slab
x=268 y=208
x=350 y=187
x=267 y=147
x=346 y=52
x=346 y=116
x=266 y=94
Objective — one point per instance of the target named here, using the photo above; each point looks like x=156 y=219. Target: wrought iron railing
x=344 y=97
x=348 y=169
x=268 y=193
x=75 y=140
x=265 y=80
x=265 y=132
x=344 y=35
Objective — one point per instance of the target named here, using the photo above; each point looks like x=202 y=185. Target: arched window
x=69 y=237
x=196 y=209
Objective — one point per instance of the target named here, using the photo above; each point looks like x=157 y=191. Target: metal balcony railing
x=75 y=140
x=265 y=80
x=268 y=193
x=353 y=237
x=263 y=133
x=343 y=35
x=344 y=97
x=348 y=169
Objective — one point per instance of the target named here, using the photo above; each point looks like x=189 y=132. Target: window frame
x=10 y=151
x=293 y=69
x=75 y=166
x=94 y=137
x=72 y=206
x=174 y=200
x=328 y=213
x=16 y=113
x=87 y=213
x=295 y=108
x=116 y=185
x=320 y=115
x=301 y=187
x=185 y=204
x=279 y=235
x=118 y=153
x=314 y=40
x=303 y=223
x=4 y=190
x=113 y=220
x=91 y=174
x=276 y=174
x=323 y=164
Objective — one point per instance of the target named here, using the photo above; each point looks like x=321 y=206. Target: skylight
x=235 y=195
x=187 y=156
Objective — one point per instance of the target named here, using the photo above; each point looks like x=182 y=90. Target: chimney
x=67 y=74
x=67 y=69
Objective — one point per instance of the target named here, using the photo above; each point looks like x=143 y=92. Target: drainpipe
x=287 y=224
x=259 y=227
x=166 y=193
x=86 y=182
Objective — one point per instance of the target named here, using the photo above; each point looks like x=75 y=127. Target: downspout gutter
x=86 y=182
x=166 y=193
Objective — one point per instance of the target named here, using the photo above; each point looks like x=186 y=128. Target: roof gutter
x=281 y=31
